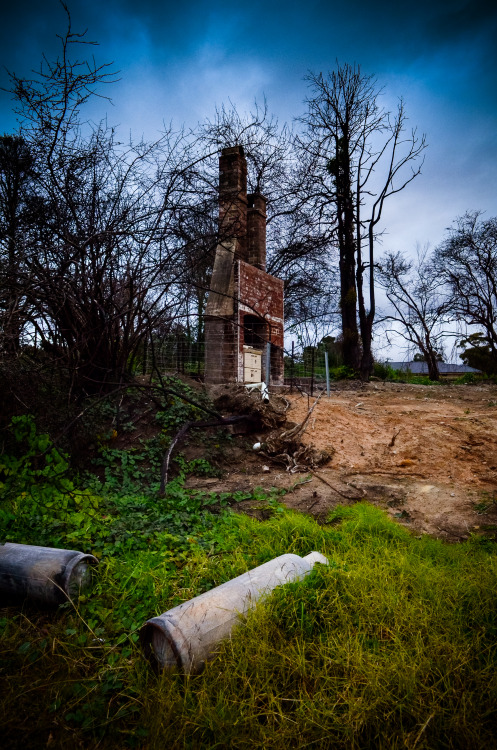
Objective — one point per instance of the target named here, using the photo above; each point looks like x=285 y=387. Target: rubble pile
x=283 y=442
x=233 y=399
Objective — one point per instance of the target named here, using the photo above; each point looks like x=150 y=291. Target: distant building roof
x=421 y=368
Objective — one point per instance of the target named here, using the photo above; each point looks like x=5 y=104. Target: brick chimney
x=256 y=230
x=233 y=198
x=244 y=311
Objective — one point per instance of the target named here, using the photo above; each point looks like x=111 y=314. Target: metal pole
x=312 y=371
x=327 y=370
x=293 y=367
x=268 y=362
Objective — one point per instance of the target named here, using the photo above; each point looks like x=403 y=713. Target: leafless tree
x=467 y=262
x=355 y=155
x=104 y=257
x=16 y=208
x=418 y=303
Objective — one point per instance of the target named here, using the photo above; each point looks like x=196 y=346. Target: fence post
x=292 y=371
x=312 y=371
x=268 y=363
x=327 y=371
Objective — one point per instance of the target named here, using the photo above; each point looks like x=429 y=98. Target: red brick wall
x=261 y=294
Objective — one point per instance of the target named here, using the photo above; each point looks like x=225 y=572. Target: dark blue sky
x=178 y=61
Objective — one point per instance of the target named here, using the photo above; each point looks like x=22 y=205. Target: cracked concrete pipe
x=185 y=637
x=44 y=574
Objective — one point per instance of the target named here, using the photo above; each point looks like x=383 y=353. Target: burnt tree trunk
x=339 y=168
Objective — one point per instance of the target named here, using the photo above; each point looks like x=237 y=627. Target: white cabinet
x=252 y=365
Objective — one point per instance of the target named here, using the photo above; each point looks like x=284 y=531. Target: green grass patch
x=393 y=645
x=384 y=371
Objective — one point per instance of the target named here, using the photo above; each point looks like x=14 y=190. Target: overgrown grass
x=393 y=645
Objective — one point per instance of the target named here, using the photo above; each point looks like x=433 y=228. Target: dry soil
x=428 y=454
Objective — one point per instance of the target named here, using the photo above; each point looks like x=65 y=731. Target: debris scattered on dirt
x=286 y=447
x=231 y=399
x=427 y=454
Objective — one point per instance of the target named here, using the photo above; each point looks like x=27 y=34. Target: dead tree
x=355 y=155
x=419 y=304
x=105 y=253
x=17 y=207
x=467 y=261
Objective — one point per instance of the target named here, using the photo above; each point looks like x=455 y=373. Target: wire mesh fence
x=308 y=368
x=227 y=354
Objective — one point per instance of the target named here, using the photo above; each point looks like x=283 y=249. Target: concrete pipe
x=185 y=637
x=44 y=574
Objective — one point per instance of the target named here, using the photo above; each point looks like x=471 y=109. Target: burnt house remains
x=244 y=312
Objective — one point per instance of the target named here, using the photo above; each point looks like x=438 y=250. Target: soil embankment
x=428 y=454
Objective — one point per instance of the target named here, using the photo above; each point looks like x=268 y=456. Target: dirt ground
x=427 y=454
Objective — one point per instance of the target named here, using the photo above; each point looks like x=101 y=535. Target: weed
x=467 y=378
x=487 y=501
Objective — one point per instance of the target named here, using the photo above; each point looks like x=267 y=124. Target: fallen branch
x=346 y=497
x=221 y=421
x=299 y=428
x=379 y=472
x=287 y=448
x=394 y=438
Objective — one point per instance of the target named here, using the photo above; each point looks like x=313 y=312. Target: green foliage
x=342 y=373
x=312 y=359
x=128 y=470
x=36 y=491
x=384 y=371
x=478 y=353
x=177 y=411
x=334 y=348
x=137 y=469
x=466 y=379
x=420 y=357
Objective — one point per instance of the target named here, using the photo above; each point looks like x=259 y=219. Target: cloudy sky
x=179 y=60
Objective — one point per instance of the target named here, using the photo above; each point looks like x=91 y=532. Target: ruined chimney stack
x=233 y=198
x=256 y=230
x=244 y=312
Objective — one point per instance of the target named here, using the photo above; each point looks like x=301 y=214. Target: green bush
x=468 y=377
x=384 y=371
x=342 y=373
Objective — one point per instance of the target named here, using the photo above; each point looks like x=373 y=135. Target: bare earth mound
x=427 y=454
